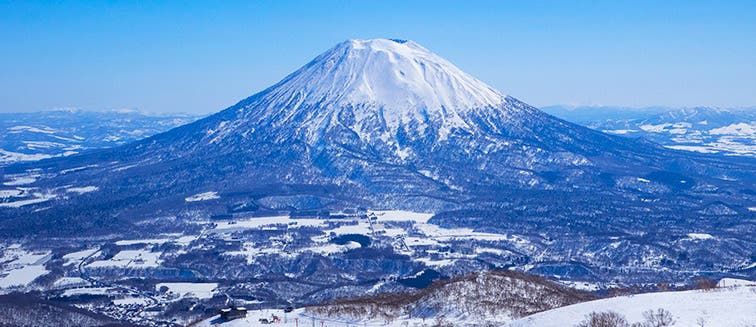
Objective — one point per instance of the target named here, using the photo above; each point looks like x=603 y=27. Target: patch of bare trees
x=487 y=293
x=651 y=318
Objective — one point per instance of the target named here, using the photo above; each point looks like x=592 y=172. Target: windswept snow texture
x=722 y=307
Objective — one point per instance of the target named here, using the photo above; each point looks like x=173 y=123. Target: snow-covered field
x=131 y=258
x=21 y=267
x=389 y=224
x=203 y=197
x=722 y=307
x=410 y=233
x=198 y=290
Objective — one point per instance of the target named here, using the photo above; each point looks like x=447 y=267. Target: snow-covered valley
x=257 y=262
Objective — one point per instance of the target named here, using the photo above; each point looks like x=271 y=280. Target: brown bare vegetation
x=487 y=293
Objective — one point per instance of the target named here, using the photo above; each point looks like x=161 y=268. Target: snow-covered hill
x=721 y=307
x=46 y=134
x=487 y=297
x=481 y=299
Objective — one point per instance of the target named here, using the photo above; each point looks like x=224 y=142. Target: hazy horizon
x=565 y=106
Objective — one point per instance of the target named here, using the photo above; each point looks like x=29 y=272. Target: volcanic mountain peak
x=379 y=85
x=392 y=74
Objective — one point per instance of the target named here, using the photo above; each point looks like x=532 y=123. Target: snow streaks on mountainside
x=380 y=84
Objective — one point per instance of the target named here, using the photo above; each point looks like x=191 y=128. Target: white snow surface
x=22 y=276
x=132 y=259
x=740 y=129
x=10 y=156
x=198 y=290
x=380 y=84
x=395 y=75
x=700 y=236
x=734 y=282
x=19 y=267
x=75 y=258
x=203 y=197
x=21 y=203
x=722 y=307
x=82 y=190
x=70 y=281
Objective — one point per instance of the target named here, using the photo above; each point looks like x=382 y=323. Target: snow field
x=724 y=307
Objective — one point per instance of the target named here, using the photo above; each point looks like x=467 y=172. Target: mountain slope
x=719 y=307
x=493 y=296
x=489 y=298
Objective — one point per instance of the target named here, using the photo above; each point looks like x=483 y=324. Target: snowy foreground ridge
x=722 y=307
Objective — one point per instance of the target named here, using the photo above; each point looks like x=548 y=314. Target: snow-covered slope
x=722 y=307
x=373 y=88
x=405 y=81
x=491 y=297
x=481 y=299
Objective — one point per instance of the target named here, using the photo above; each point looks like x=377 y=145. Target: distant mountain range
x=40 y=135
x=700 y=129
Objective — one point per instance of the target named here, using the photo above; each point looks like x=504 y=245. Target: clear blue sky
x=197 y=56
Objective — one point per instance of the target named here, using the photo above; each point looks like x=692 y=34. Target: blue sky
x=197 y=56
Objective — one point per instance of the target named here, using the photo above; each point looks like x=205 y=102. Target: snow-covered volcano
x=397 y=102
x=373 y=88
x=401 y=77
x=371 y=123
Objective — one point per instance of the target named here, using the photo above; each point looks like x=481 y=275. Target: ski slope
x=722 y=307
